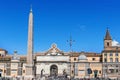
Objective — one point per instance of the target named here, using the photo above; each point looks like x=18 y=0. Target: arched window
x=108 y=44
x=74 y=59
x=72 y=71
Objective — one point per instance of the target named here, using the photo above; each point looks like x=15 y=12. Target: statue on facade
x=42 y=72
x=15 y=56
x=64 y=73
x=55 y=73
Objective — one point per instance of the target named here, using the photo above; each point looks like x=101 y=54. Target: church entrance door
x=53 y=70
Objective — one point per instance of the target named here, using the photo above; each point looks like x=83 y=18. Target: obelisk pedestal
x=29 y=72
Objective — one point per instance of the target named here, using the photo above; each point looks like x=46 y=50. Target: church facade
x=55 y=62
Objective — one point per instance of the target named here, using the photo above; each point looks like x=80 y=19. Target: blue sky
x=55 y=20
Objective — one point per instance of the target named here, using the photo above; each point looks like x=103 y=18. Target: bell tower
x=107 y=41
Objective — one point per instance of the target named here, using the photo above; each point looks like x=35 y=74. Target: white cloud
x=81 y=27
x=115 y=43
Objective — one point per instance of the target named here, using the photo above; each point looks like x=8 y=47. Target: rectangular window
x=4 y=71
x=19 y=65
x=111 y=59
x=69 y=59
x=23 y=71
x=116 y=70
x=111 y=54
x=105 y=70
x=105 y=66
x=81 y=71
x=111 y=70
x=105 y=54
x=19 y=71
x=105 y=60
x=116 y=54
x=73 y=66
x=8 y=64
x=116 y=60
x=8 y=71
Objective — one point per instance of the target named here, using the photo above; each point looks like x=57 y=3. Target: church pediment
x=54 y=51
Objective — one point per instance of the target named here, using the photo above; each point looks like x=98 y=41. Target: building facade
x=111 y=57
x=55 y=62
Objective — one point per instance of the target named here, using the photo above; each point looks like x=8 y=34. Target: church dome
x=82 y=57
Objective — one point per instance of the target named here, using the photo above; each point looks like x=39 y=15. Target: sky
x=55 y=20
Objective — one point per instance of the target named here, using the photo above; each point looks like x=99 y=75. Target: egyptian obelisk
x=29 y=64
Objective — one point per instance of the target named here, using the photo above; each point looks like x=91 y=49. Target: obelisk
x=29 y=64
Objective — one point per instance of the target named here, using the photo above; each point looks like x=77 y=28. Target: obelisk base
x=29 y=77
x=29 y=72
